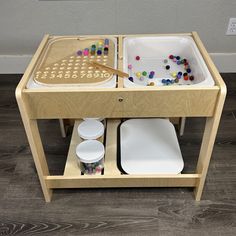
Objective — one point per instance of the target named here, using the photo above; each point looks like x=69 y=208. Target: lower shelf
x=112 y=177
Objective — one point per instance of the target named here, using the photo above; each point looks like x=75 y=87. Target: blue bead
x=188 y=70
x=150 y=76
x=178 y=57
x=178 y=62
x=163 y=81
x=106 y=41
x=99 y=52
x=180 y=73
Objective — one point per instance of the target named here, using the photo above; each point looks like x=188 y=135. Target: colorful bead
x=185 y=77
x=171 y=56
x=131 y=79
x=105 y=51
x=179 y=76
x=178 y=62
x=168 y=81
x=144 y=73
x=163 y=81
x=137 y=58
x=99 y=52
x=100 y=43
x=191 y=77
x=150 y=76
x=130 y=66
x=79 y=53
x=138 y=74
x=151 y=84
x=173 y=74
x=180 y=73
x=188 y=70
x=178 y=57
x=165 y=61
x=174 y=60
x=106 y=41
x=176 y=80
x=167 y=67
x=86 y=52
x=185 y=74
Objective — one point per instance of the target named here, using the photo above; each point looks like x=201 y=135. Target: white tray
x=153 y=51
x=149 y=146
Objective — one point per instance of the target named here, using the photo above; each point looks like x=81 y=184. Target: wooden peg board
x=60 y=63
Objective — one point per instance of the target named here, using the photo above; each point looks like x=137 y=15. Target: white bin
x=153 y=50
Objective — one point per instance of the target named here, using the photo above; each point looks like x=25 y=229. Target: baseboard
x=16 y=64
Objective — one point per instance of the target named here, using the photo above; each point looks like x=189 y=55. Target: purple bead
x=152 y=73
x=79 y=53
x=178 y=62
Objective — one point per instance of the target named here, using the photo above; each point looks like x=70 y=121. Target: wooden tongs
x=108 y=69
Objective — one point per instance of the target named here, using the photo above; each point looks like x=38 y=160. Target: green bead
x=144 y=73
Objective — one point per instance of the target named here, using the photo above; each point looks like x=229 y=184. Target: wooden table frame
x=115 y=103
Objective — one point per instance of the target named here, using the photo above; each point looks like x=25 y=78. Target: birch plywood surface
x=60 y=63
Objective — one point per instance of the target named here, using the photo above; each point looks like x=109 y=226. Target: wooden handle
x=109 y=69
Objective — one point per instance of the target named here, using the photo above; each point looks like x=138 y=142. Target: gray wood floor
x=138 y=211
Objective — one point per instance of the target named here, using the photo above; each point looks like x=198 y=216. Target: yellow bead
x=138 y=74
x=174 y=74
x=100 y=43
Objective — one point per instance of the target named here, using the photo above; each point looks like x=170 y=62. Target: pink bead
x=86 y=53
x=174 y=60
x=130 y=66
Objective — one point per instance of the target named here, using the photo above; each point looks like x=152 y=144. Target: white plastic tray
x=149 y=146
x=153 y=51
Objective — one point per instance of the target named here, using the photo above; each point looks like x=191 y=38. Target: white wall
x=24 y=22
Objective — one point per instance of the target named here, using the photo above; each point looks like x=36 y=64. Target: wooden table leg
x=39 y=156
x=209 y=136
x=35 y=142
